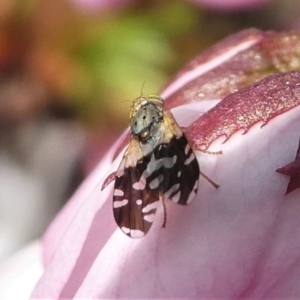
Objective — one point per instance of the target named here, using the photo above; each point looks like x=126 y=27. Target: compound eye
x=145 y=134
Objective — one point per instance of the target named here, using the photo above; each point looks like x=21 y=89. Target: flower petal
x=230 y=5
x=19 y=275
x=230 y=242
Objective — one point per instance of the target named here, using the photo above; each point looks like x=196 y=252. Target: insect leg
x=209 y=180
x=111 y=177
x=209 y=152
x=165 y=212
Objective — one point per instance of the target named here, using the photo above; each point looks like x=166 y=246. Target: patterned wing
x=135 y=197
x=158 y=162
x=180 y=182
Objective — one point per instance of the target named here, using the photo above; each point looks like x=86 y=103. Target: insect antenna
x=142 y=88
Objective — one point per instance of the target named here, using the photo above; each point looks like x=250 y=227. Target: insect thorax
x=146 y=117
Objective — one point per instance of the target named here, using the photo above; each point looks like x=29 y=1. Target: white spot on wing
x=149 y=218
x=193 y=193
x=125 y=230
x=117 y=204
x=189 y=159
x=139 y=202
x=169 y=162
x=140 y=185
x=191 y=197
x=150 y=207
x=151 y=167
x=176 y=197
x=155 y=164
x=179 y=174
x=171 y=190
x=195 y=185
x=156 y=182
x=118 y=192
x=135 y=233
x=187 y=148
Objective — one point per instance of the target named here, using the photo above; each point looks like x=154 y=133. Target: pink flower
x=239 y=241
x=225 y=5
x=230 y=5
x=92 y=5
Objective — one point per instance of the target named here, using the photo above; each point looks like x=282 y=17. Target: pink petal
x=292 y=170
x=238 y=229
x=230 y=5
x=92 y=5
x=239 y=111
x=19 y=275
x=240 y=241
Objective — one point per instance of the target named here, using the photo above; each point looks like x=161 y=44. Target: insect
x=159 y=163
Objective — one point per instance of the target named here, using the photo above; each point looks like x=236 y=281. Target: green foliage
x=118 y=56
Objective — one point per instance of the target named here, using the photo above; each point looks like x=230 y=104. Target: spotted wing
x=180 y=183
x=134 y=202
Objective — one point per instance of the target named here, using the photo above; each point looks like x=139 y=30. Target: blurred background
x=69 y=70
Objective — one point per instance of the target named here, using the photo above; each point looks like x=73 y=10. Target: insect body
x=158 y=164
